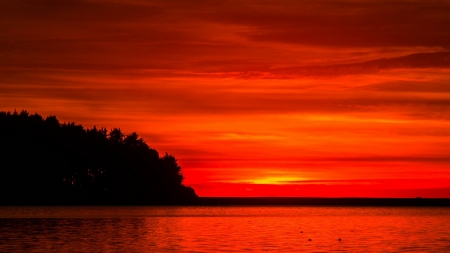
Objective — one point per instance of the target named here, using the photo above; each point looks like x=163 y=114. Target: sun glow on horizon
x=266 y=180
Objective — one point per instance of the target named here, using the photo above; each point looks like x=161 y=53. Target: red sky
x=254 y=98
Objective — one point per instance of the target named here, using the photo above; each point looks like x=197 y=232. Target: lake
x=225 y=229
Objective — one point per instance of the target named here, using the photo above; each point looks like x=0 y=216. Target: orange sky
x=254 y=98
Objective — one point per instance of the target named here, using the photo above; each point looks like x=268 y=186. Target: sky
x=254 y=98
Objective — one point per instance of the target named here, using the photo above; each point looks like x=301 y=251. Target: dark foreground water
x=224 y=229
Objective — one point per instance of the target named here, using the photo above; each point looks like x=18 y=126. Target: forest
x=45 y=162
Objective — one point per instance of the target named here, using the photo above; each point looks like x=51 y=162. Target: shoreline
x=273 y=201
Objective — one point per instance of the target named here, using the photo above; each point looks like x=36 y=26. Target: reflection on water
x=226 y=229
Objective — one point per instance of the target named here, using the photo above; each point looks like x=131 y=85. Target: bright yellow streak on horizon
x=268 y=180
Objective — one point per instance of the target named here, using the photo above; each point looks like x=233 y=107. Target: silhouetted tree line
x=44 y=162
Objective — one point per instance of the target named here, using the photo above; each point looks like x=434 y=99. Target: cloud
x=420 y=159
x=232 y=38
x=343 y=23
x=229 y=97
x=413 y=61
x=431 y=86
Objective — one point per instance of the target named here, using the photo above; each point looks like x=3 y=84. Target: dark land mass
x=283 y=201
x=44 y=162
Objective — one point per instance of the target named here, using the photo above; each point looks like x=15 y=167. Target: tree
x=116 y=136
x=46 y=162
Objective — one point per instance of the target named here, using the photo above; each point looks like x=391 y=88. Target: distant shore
x=304 y=201
x=282 y=201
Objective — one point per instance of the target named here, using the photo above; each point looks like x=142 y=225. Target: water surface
x=224 y=229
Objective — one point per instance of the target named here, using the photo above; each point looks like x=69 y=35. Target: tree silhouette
x=116 y=137
x=46 y=162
